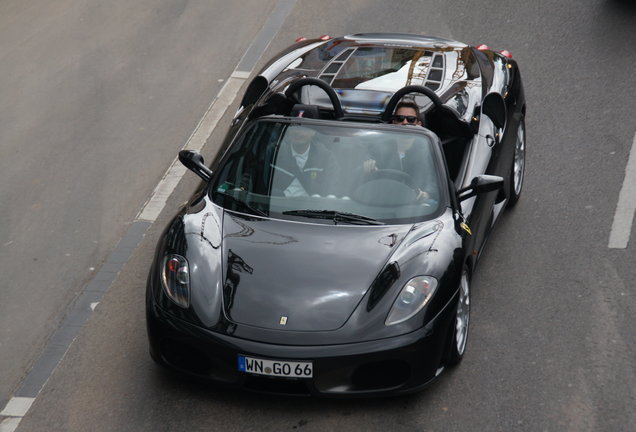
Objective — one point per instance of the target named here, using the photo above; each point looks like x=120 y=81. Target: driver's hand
x=422 y=195
x=369 y=166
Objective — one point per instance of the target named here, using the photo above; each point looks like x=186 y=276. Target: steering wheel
x=393 y=174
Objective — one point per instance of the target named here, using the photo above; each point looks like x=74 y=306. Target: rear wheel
x=518 y=165
x=459 y=333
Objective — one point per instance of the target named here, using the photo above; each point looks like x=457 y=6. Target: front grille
x=381 y=375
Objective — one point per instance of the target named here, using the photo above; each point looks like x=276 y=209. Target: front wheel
x=459 y=333
x=518 y=165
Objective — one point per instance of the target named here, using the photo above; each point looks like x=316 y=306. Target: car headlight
x=175 y=278
x=412 y=299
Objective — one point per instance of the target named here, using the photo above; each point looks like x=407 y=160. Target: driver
x=401 y=154
x=303 y=166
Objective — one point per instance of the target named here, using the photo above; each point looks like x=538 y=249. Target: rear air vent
x=331 y=70
x=435 y=73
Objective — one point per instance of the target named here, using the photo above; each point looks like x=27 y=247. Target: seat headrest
x=445 y=122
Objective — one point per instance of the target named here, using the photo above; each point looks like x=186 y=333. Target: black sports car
x=330 y=247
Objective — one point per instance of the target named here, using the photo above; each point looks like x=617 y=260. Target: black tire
x=459 y=331
x=517 y=169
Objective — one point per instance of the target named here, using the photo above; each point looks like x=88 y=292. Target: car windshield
x=332 y=172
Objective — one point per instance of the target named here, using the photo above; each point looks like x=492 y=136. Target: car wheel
x=518 y=165
x=460 y=325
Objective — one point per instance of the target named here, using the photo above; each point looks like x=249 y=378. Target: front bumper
x=401 y=364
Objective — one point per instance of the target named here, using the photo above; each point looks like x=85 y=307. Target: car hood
x=300 y=276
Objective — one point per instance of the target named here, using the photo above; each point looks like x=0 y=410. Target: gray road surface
x=96 y=98
x=551 y=345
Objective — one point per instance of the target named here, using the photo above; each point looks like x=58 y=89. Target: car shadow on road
x=249 y=410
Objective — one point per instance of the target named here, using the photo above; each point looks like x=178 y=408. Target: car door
x=486 y=146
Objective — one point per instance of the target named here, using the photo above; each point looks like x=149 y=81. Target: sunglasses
x=401 y=118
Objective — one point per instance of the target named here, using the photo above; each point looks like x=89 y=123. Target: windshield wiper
x=334 y=215
x=242 y=203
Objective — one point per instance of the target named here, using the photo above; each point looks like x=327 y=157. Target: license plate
x=279 y=368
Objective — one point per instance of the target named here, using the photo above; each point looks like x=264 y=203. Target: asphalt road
x=552 y=332
x=96 y=99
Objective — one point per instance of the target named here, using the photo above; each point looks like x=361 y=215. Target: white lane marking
x=241 y=74
x=208 y=122
x=157 y=201
x=10 y=424
x=17 y=407
x=624 y=215
x=94 y=305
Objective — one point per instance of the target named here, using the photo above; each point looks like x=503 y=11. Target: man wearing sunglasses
x=401 y=155
x=407 y=113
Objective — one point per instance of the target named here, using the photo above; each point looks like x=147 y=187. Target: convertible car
x=306 y=263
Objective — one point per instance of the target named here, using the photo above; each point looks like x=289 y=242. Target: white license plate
x=279 y=368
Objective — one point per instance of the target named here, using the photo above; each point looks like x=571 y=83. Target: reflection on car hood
x=300 y=276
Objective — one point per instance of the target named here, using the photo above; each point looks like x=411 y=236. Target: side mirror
x=194 y=162
x=481 y=184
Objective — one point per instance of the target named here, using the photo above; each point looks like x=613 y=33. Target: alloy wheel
x=462 y=317
x=520 y=159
